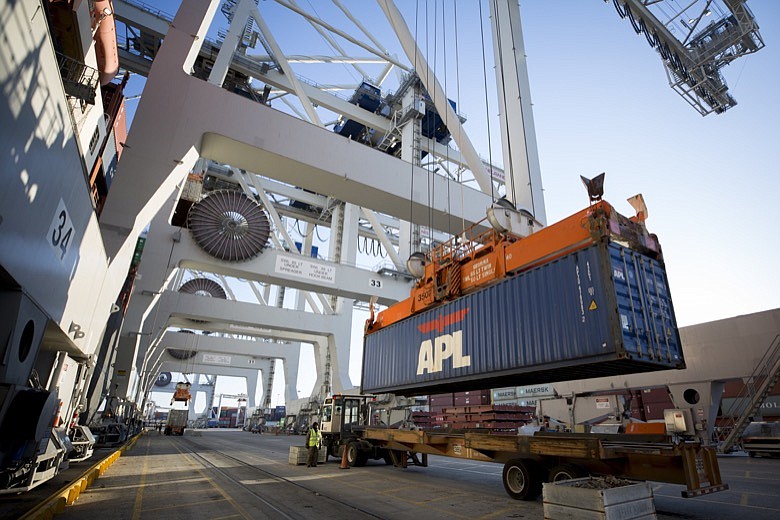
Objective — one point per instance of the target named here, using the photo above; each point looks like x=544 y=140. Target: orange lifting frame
x=473 y=260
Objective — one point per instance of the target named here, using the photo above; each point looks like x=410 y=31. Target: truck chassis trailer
x=546 y=456
x=177 y=422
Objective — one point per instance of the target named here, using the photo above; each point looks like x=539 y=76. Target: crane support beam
x=438 y=96
x=333 y=43
x=174 y=307
x=384 y=239
x=295 y=271
x=283 y=63
x=251 y=136
x=244 y=347
x=693 y=63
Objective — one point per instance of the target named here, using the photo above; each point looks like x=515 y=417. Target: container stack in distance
x=472 y=410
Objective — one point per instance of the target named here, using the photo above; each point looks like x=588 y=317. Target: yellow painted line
x=178 y=506
x=68 y=494
x=141 y=484
x=743 y=499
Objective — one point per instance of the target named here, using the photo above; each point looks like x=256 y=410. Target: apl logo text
x=444 y=346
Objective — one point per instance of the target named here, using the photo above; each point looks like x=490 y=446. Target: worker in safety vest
x=314 y=442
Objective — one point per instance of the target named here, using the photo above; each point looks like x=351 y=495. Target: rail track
x=210 y=458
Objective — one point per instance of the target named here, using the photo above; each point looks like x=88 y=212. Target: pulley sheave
x=229 y=225
x=204 y=287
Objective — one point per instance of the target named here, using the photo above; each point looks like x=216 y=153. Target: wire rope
x=508 y=168
x=447 y=112
x=487 y=102
x=460 y=127
x=413 y=158
x=432 y=163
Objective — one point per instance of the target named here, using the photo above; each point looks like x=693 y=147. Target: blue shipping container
x=601 y=311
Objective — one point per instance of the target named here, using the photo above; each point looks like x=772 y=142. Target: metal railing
x=79 y=79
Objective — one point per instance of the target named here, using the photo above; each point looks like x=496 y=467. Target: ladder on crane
x=269 y=385
x=747 y=403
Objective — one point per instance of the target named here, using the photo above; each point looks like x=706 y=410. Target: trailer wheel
x=522 y=479
x=567 y=472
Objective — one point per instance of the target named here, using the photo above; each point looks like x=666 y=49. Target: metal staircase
x=747 y=403
x=269 y=385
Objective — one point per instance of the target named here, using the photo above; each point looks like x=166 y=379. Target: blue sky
x=602 y=103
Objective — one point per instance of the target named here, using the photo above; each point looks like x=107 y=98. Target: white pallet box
x=565 y=500
x=300 y=454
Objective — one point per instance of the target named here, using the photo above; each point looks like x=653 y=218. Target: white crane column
x=518 y=134
x=343 y=249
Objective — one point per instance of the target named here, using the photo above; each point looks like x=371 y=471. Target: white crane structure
x=425 y=181
x=265 y=166
x=361 y=182
x=261 y=175
x=695 y=40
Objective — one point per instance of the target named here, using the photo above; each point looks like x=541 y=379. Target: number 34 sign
x=60 y=234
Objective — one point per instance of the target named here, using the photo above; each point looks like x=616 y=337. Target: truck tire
x=355 y=456
x=522 y=479
x=567 y=472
